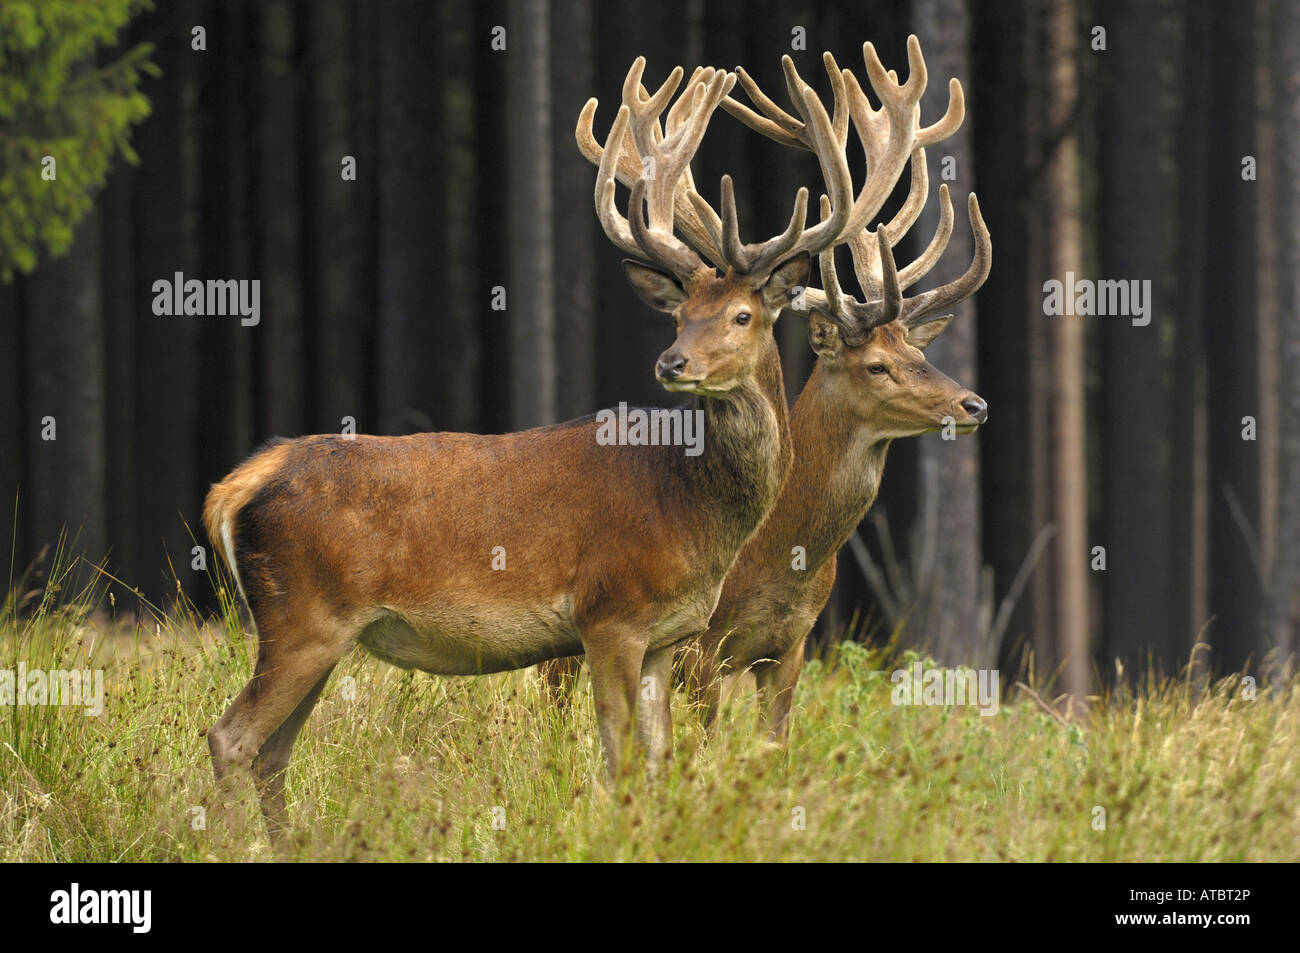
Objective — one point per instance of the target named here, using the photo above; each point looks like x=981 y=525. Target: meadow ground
x=402 y=766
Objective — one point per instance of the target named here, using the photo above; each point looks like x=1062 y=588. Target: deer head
x=871 y=350
x=724 y=295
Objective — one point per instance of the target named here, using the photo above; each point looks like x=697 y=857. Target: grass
x=403 y=766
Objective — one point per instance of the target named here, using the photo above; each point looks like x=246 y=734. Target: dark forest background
x=1127 y=161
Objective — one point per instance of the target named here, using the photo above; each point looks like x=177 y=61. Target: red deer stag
x=871 y=384
x=463 y=554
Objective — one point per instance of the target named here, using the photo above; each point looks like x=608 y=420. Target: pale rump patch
x=228 y=542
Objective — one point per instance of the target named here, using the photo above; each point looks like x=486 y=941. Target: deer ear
x=921 y=335
x=659 y=290
x=786 y=282
x=824 y=335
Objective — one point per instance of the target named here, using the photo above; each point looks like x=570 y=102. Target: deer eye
x=877 y=368
x=743 y=318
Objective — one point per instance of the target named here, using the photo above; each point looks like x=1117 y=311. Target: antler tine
x=882 y=283
x=835 y=173
x=889 y=136
x=615 y=226
x=646 y=110
x=660 y=247
x=699 y=217
x=657 y=168
x=866 y=261
x=818 y=130
x=891 y=133
x=629 y=169
x=699 y=229
x=886 y=153
x=710 y=223
x=944 y=297
x=668 y=175
x=918 y=190
x=647 y=135
x=682 y=107
x=856 y=318
x=686 y=205
x=934 y=251
x=821 y=300
x=952 y=118
x=892 y=299
x=760 y=258
x=776 y=123
x=815 y=298
x=795 y=87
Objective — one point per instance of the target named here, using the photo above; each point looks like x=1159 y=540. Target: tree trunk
x=335 y=225
x=1068 y=487
x=1056 y=433
x=414 y=321
x=230 y=386
x=1000 y=74
x=276 y=190
x=1231 y=335
x=1187 y=440
x=170 y=471
x=1284 y=584
x=574 y=238
x=458 y=304
x=122 y=312
x=531 y=289
x=65 y=368
x=1135 y=245
x=492 y=228
x=949 y=470
x=16 y=419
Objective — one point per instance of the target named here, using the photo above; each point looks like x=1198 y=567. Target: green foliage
x=55 y=101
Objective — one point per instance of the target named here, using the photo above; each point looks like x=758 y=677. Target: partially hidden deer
x=870 y=385
x=464 y=554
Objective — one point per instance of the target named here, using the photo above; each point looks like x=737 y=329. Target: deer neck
x=836 y=474
x=747 y=447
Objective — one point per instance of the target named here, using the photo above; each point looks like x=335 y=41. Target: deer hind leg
x=291 y=670
x=776 y=683
x=272 y=760
x=654 y=718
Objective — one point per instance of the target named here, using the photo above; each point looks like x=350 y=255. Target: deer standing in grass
x=871 y=384
x=393 y=543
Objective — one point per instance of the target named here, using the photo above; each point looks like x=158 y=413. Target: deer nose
x=670 y=366
x=976 y=407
